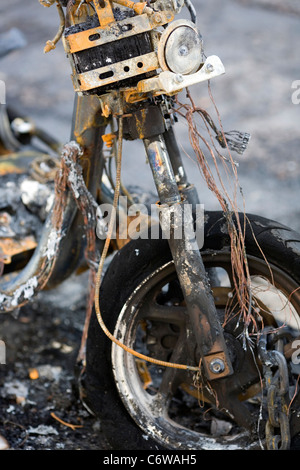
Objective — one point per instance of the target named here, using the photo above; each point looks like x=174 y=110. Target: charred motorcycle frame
x=129 y=61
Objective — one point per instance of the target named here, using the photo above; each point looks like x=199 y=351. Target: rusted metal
x=144 y=373
x=17 y=163
x=162 y=173
x=88 y=126
x=139 y=8
x=44 y=168
x=108 y=139
x=77 y=11
x=118 y=30
x=87 y=129
x=10 y=247
x=116 y=72
x=187 y=190
x=105 y=12
x=83 y=198
x=51 y=44
x=276 y=373
x=203 y=318
x=143 y=123
x=132 y=96
x=142 y=57
x=60 y=248
x=34 y=277
x=47 y=3
x=37 y=273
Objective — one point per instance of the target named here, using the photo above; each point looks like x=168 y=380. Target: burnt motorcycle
x=191 y=335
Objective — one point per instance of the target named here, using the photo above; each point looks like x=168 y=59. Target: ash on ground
x=40 y=407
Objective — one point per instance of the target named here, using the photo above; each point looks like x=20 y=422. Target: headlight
x=181 y=48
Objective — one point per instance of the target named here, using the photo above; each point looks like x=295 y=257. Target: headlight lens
x=181 y=48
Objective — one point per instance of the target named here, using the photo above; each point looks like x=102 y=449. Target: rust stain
x=108 y=139
x=140 y=123
x=10 y=247
x=118 y=71
x=113 y=31
x=207 y=360
x=105 y=13
x=8 y=168
x=132 y=96
x=144 y=373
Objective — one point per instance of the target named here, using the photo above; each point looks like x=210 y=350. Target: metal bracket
x=114 y=31
x=170 y=83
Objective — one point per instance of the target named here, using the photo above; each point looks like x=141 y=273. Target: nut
x=217 y=365
x=178 y=78
x=209 y=68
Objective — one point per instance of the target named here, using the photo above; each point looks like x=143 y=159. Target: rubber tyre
x=280 y=245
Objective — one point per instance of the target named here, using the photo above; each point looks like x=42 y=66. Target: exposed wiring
x=192 y=10
x=51 y=44
x=228 y=202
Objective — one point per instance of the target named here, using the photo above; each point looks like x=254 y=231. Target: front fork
x=176 y=219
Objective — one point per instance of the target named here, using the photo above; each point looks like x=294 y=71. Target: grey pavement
x=257 y=41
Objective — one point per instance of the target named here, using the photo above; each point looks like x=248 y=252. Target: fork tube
x=186 y=189
x=190 y=269
x=162 y=170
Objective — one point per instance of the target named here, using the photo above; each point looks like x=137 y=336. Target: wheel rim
x=153 y=322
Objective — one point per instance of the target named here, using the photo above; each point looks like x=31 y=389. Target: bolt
x=209 y=68
x=178 y=78
x=183 y=50
x=157 y=18
x=217 y=365
x=21 y=126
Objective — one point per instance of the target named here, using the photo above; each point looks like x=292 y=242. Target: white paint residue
x=73 y=177
x=3 y=298
x=74 y=144
x=26 y=290
x=42 y=430
x=50 y=202
x=73 y=180
x=53 y=240
x=30 y=190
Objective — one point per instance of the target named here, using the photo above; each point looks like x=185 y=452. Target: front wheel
x=145 y=406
